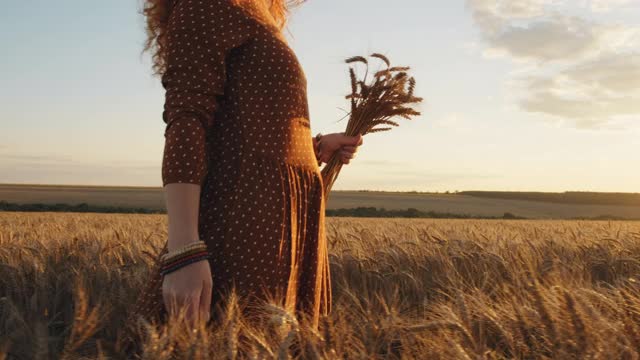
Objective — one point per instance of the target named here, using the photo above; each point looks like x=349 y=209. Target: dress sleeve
x=200 y=33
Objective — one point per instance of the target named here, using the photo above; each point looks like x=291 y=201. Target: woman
x=240 y=168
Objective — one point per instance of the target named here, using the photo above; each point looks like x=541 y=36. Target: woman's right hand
x=189 y=286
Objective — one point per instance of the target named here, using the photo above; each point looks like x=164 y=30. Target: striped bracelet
x=177 y=267
x=189 y=245
x=179 y=263
x=183 y=254
x=195 y=245
x=175 y=261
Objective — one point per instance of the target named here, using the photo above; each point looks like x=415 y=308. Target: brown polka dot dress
x=237 y=123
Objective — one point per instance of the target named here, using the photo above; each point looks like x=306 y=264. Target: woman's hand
x=346 y=146
x=190 y=287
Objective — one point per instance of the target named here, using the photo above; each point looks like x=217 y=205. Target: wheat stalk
x=374 y=103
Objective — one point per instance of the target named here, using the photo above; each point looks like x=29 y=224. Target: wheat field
x=402 y=289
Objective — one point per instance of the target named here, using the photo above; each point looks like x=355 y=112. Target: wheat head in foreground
x=375 y=103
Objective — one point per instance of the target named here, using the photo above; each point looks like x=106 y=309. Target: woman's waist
x=288 y=140
x=294 y=157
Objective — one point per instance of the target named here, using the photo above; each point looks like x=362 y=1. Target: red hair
x=156 y=12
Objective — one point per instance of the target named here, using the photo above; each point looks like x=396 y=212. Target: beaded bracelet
x=189 y=245
x=177 y=263
x=173 y=262
x=193 y=245
x=183 y=254
x=172 y=268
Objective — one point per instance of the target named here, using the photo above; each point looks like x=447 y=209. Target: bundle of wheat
x=389 y=94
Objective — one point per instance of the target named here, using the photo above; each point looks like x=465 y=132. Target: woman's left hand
x=346 y=146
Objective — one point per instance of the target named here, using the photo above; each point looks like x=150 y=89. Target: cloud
x=584 y=70
x=615 y=73
x=45 y=160
x=556 y=38
x=607 y=5
x=59 y=169
x=492 y=15
x=591 y=93
x=35 y=158
x=537 y=30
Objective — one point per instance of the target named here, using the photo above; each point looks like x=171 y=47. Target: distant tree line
x=343 y=212
x=568 y=197
x=353 y=212
x=83 y=207
x=411 y=213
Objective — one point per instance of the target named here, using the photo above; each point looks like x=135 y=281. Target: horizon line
x=334 y=190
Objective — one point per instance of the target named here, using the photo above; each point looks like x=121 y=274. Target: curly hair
x=156 y=12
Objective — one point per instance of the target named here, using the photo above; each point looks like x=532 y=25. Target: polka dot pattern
x=237 y=123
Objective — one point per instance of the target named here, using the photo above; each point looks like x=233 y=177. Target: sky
x=520 y=95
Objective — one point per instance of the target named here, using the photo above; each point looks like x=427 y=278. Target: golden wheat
x=374 y=103
x=403 y=288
